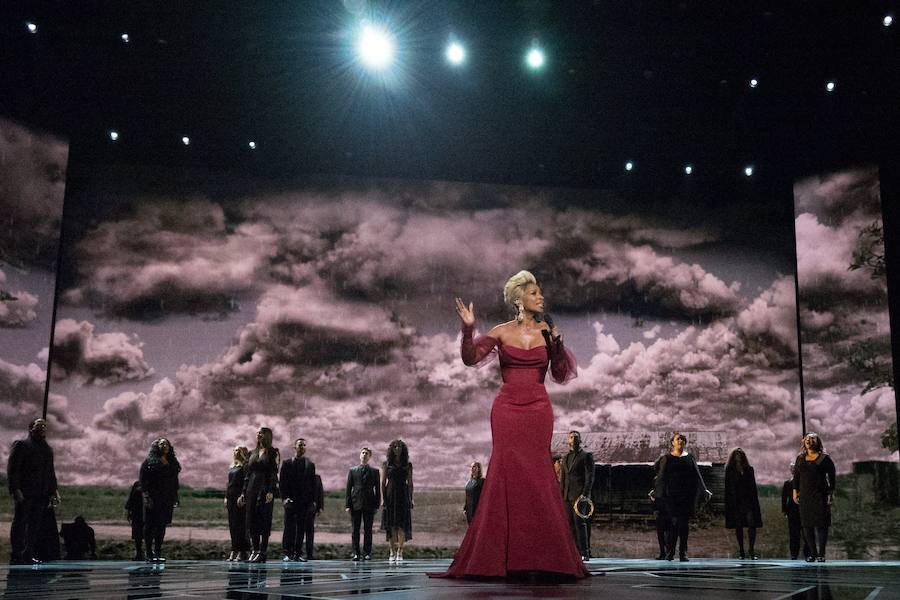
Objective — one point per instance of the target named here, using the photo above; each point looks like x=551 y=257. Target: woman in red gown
x=520 y=525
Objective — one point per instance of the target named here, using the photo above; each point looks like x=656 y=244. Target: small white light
x=688 y=169
x=456 y=54
x=375 y=47
x=125 y=38
x=748 y=170
x=113 y=135
x=830 y=86
x=535 y=58
x=754 y=82
x=252 y=145
x=629 y=165
x=32 y=28
x=186 y=140
x=888 y=20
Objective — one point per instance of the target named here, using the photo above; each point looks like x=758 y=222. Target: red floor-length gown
x=520 y=524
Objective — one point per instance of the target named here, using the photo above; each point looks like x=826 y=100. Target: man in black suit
x=792 y=511
x=298 y=493
x=32 y=484
x=363 y=499
x=311 y=522
x=577 y=480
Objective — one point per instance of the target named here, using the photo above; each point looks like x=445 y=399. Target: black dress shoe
x=683 y=558
x=286 y=558
x=355 y=558
x=367 y=557
x=662 y=556
x=821 y=559
x=810 y=559
x=670 y=557
x=301 y=559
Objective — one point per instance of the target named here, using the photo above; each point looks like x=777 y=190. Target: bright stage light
x=456 y=54
x=629 y=165
x=186 y=140
x=32 y=28
x=888 y=20
x=252 y=145
x=535 y=58
x=113 y=135
x=375 y=47
x=748 y=170
x=125 y=38
x=754 y=83
x=688 y=169
x=830 y=86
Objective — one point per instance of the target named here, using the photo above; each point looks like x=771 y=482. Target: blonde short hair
x=515 y=286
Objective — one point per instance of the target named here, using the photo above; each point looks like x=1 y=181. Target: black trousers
x=813 y=535
x=679 y=526
x=581 y=530
x=25 y=531
x=662 y=530
x=237 y=526
x=259 y=522
x=310 y=534
x=155 y=521
x=795 y=536
x=364 y=518
x=296 y=525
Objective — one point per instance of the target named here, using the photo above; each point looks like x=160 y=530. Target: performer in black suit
x=260 y=485
x=134 y=507
x=577 y=481
x=311 y=521
x=159 y=487
x=298 y=493
x=363 y=499
x=792 y=511
x=32 y=484
x=237 y=512
x=473 y=491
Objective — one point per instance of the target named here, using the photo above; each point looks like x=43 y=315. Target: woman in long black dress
x=741 y=500
x=397 y=498
x=814 y=483
x=260 y=485
x=159 y=487
x=679 y=485
x=237 y=511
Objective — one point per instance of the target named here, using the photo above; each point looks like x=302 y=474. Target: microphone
x=544 y=317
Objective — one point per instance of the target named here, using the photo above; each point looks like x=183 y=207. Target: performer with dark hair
x=134 y=508
x=814 y=484
x=397 y=498
x=298 y=494
x=505 y=537
x=742 y=500
x=159 y=488
x=680 y=486
x=363 y=498
x=260 y=485
x=473 y=491
x=32 y=484
x=576 y=482
x=792 y=512
x=237 y=511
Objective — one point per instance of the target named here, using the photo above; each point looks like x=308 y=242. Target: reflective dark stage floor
x=695 y=580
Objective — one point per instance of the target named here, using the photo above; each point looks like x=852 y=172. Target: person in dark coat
x=662 y=517
x=577 y=481
x=237 y=513
x=680 y=487
x=32 y=484
x=260 y=486
x=473 y=491
x=363 y=497
x=742 y=500
x=814 y=483
x=79 y=539
x=134 y=508
x=792 y=512
x=159 y=488
x=397 y=498
x=297 y=482
x=311 y=521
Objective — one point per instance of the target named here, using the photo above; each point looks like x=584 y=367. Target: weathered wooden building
x=623 y=467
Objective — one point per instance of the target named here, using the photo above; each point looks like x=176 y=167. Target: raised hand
x=466 y=314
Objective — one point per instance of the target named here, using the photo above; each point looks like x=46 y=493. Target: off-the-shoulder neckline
x=511 y=346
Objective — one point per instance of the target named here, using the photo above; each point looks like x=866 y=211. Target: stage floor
x=633 y=579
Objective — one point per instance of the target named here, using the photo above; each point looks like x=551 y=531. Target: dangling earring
x=520 y=312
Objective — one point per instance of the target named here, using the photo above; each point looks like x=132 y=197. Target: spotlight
x=113 y=135
x=754 y=82
x=629 y=165
x=375 y=47
x=888 y=20
x=535 y=58
x=829 y=87
x=252 y=145
x=186 y=140
x=32 y=28
x=688 y=169
x=748 y=170
x=125 y=38
x=456 y=54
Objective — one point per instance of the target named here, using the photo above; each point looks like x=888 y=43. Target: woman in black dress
x=237 y=513
x=678 y=485
x=814 y=490
x=397 y=498
x=260 y=485
x=741 y=500
x=159 y=487
x=473 y=491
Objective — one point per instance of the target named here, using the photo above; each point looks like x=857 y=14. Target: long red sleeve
x=563 y=367
x=473 y=351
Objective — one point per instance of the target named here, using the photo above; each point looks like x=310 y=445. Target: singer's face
x=532 y=299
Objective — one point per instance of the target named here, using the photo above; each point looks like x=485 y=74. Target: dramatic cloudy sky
x=841 y=309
